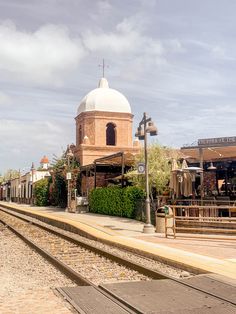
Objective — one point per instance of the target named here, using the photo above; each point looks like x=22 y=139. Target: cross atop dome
x=103 y=66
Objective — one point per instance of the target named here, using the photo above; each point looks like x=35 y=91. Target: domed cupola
x=44 y=162
x=104 y=98
x=103 y=124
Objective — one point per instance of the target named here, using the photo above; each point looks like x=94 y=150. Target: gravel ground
x=27 y=280
x=141 y=260
x=147 y=262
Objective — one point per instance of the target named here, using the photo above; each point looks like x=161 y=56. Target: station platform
x=215 y=254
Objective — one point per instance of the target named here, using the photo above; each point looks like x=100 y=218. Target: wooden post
x=165 y=226
x=174 y=225
x=122 y=169
x=86 y=181
x=95 y=175
x=201 y=174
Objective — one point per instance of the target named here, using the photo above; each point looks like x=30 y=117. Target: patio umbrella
x=174 y=167
x=174 y=182
x=191 y=173
x=187 y=180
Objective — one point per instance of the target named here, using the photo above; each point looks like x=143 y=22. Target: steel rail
x=100 y=251
x=70 y=273
x=112 y=256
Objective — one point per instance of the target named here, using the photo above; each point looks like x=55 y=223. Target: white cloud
x=174 y=45
x=112 y=43
x=149 y=3
x=128 y=40
x=4 y=99
x=104 y=6
x=43 y=56
x=27 y=141
x=217 y=51
x=30 y=132
x=49 y=55
x=127 y=37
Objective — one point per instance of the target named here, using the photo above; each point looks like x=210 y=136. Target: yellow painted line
x=42 y=212
x=83 y=226
x=232 y=260
x=222 y=267
x=203 y=262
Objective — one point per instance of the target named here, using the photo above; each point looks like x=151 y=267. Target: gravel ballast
x=27 y=281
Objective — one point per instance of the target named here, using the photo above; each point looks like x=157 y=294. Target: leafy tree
x=159 y=163
x=10 y=174
x=41 y=192
x=58 y=185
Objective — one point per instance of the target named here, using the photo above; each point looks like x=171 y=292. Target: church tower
x=103 y=124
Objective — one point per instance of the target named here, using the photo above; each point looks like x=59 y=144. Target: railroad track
x=94 y=265
x=88 y=265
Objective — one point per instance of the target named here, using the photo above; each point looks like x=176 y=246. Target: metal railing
x=211 y=219
x=205 y=201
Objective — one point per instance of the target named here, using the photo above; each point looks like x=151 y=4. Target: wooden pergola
x=115 y=163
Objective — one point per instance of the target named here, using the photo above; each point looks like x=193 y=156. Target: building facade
x=20 y=189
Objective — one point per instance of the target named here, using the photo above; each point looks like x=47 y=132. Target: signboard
x=68 y=176
x=141 y=167
x=218 y=141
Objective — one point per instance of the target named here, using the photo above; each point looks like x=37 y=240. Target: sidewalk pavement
x=215 y=254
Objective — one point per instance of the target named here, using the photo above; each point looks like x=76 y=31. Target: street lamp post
x=10 y=181
x=32 y=169
x=146 y=126
x=19 y=187
x=69 y=155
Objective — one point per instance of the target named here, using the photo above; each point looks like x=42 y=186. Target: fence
x=206 y=201
x=211 y=219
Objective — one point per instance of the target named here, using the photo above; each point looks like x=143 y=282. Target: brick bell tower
x=103 y=125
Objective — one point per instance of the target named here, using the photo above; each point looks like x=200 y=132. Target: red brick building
x=103 y=127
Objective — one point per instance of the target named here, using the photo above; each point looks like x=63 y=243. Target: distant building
x=20 y=189
x=44 y=163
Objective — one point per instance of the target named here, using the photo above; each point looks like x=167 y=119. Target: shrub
x=115 y=200
x=131 y=196
x=41 y=192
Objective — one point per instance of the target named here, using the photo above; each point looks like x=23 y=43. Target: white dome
x=104 y=98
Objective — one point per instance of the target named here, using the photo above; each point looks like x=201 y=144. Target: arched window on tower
x=111 y=134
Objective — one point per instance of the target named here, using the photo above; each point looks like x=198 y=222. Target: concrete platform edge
x=90 y=233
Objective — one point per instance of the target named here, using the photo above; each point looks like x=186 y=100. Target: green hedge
x=41 y=192
x=115 y=200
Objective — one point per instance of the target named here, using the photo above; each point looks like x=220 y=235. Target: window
x=111 y=134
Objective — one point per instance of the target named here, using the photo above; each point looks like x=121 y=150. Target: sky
x=174 y=59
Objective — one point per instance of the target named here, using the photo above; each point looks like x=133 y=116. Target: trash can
x=81 y=204
x=163 y=213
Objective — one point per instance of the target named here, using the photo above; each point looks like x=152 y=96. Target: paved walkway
x=213 y=254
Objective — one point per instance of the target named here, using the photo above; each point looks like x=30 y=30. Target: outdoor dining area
x=188 y=194
x=193 y=211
